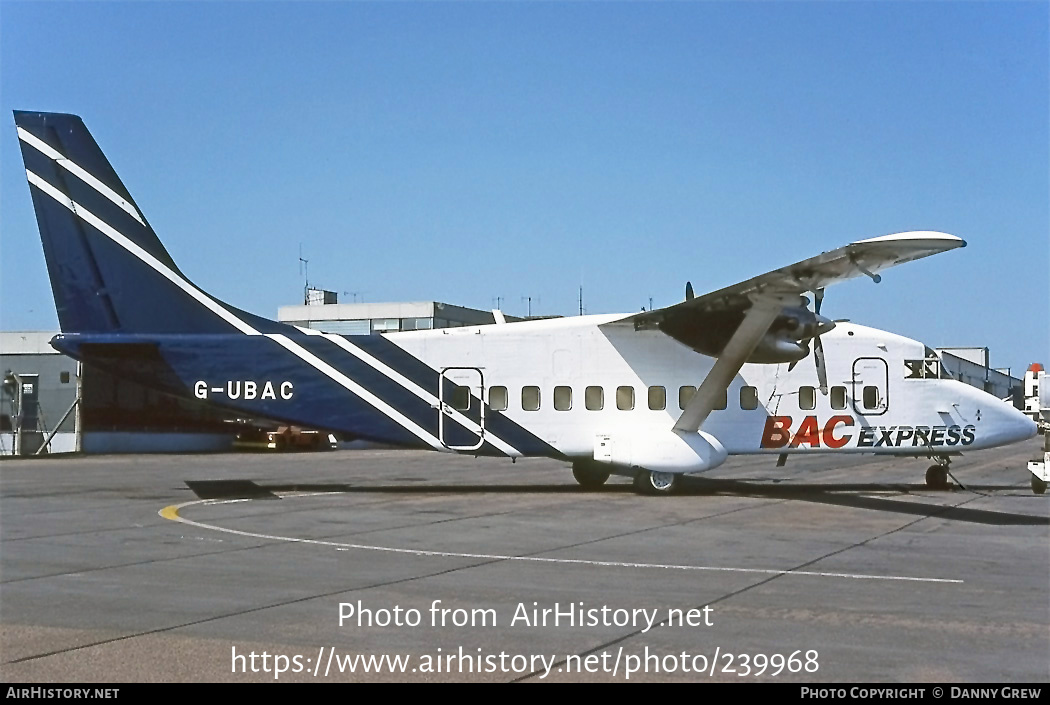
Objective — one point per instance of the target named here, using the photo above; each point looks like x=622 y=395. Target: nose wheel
x=937 y=475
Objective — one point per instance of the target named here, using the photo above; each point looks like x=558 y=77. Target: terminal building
x=972 y=365
x=325 y=314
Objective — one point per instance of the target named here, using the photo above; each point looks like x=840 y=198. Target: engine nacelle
x=660 y=450
x=787 y=339
x=775 y=348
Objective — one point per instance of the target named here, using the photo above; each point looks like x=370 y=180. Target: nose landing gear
x=937 y=475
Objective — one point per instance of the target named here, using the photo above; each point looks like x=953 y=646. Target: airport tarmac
x=830 y=569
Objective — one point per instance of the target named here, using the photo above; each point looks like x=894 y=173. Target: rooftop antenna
x=529 y=300
x=304 y=272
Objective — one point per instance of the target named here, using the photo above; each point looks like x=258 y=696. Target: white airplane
x=652 y=395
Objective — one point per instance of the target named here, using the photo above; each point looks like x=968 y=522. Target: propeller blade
x=818 y=298
x=689 y=291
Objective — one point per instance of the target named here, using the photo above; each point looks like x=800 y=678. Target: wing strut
x=764 y=310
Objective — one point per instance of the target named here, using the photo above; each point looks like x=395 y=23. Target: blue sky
x=464 y=151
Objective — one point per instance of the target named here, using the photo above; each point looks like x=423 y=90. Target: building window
x=562 y=398
x=530 y=398
x=625 y=398
x=657 y=398
x=385 y=325
x=807 y=398
x=594 y=398
x=748 y=398
x=416 y=323
x=63 y=377
x=498 y=398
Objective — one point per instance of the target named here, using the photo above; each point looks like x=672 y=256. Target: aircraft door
x=871 y=392
x=461 y=414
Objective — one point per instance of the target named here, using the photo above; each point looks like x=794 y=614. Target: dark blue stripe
x=405 y=401
x=427 y=377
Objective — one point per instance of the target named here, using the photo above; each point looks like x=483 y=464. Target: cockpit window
x=929 y=368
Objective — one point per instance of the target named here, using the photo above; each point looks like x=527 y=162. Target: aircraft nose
x=1017 y=426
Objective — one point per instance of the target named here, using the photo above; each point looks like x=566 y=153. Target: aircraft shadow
x=842 y=495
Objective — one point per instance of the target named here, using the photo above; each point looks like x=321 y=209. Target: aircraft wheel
x=588 y=475
x=937 y=477
x=1038 y=486
x=655 y=483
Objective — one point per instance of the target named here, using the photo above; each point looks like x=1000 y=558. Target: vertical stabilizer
x=109 y=272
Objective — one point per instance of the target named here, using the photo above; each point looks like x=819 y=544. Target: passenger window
x=748 y=398
x=594 y=398
x=838 y=397
x=498 y=398
x=723 y=401
x=625 y=398
x=657 y=398
x=461 y=398
x=530 y=398
x=807 y=398
x=871 y=397
x=684 y=395
x=563 y=398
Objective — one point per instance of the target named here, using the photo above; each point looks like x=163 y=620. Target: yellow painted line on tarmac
x=170 y=513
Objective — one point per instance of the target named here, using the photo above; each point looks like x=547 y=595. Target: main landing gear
x=937 y=475
x=655 y=483
x=589 y=474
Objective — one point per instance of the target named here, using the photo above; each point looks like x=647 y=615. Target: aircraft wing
x=730 y=323
x=862 y=258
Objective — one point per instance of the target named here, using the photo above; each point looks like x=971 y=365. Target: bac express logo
x=247 y=389
x=777 y=434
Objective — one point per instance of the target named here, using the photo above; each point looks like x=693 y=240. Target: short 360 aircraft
x=747 y=369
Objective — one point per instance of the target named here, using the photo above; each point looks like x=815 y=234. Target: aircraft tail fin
x=109 y=271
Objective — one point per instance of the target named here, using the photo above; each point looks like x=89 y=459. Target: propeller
x=689 y=291
x=819 y=325
x=818 y=347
